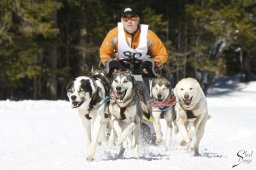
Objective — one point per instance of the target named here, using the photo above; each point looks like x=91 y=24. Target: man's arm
x=157 y=48
x=108 y=46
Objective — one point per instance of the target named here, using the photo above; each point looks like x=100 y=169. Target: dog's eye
x=81 y=91
x=116 y=81
x=190 y=88
x=125 y=81
x=181 y=89
x=70 y=90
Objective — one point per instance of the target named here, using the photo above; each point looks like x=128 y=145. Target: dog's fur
x=87 y=95
x=192 y=113
x=163 y=102
x=126 y=108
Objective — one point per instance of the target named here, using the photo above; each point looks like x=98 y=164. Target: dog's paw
x=167 y=148
x=183 y=143
x=192 y=143
x=90 y=154
x=135 y=152
x=159 y=141
x=89 y=157
x=197 y=154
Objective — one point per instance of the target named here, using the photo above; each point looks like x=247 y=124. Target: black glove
x=112 y=65
x=148 y=68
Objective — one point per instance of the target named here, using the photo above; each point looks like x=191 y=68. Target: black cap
x=129 y=11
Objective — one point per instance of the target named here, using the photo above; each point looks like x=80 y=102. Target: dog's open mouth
x=187 y=101
x=120 y=94
x=160 y=100
x=76 y=104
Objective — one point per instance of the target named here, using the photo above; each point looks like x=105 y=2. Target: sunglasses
x=125 y=19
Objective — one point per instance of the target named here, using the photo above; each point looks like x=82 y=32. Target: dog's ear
x=86 y=86
x=95 y=98
x=168 y=85
x=153 y=82
x=158 y=75
x=92 y=69
x=69 y=85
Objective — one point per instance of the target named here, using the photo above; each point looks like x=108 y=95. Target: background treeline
x=45 y=43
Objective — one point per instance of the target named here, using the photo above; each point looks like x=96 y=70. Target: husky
x=89 y=96
x=126 y=107
x=162 y=104
x=192 y=112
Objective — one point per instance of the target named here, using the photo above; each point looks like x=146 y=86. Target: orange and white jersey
x=143 y=41
x=125 y=49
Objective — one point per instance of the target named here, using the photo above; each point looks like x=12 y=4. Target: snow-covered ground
x=49 y=135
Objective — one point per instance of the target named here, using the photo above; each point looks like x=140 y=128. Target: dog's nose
x=73 y=97
x=186 y=96
x=159 y=96
x=118 y=88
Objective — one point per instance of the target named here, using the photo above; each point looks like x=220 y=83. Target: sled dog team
x=119 y=104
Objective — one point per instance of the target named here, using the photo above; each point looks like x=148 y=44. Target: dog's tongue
x=119 y=95
x=75 y=104
x=187 y=101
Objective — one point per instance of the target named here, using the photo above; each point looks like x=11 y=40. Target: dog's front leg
x=127 y=131
x=193 y=129
x=96 y=131
x=169 y=134
x=111 y=137
x=157 y=127
x=118 y=130
x=198 y=135
x=135 y=141
x=87 y=125
x=183 y=131
x=198 y=122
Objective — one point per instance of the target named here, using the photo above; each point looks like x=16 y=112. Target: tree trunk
x=51 y=60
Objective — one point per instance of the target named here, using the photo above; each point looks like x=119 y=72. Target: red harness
x=170 y=101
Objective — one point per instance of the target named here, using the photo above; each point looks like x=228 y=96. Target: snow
x=43 y=134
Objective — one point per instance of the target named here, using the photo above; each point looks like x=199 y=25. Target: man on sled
x=130 y=39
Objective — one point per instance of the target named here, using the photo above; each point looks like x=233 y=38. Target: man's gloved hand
x=111 y=67
x=148 y=68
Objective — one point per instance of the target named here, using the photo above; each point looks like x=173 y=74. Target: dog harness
x=164 y=106
x=190 y=114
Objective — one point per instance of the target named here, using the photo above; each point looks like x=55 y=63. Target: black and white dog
x=162 y=105
x=126 y=108
x=89 y=95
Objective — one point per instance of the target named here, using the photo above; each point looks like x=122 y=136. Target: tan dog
x=192 y=113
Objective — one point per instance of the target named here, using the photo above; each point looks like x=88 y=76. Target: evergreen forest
x=46 y=43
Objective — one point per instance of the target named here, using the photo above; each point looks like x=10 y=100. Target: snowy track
x=48 y=135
